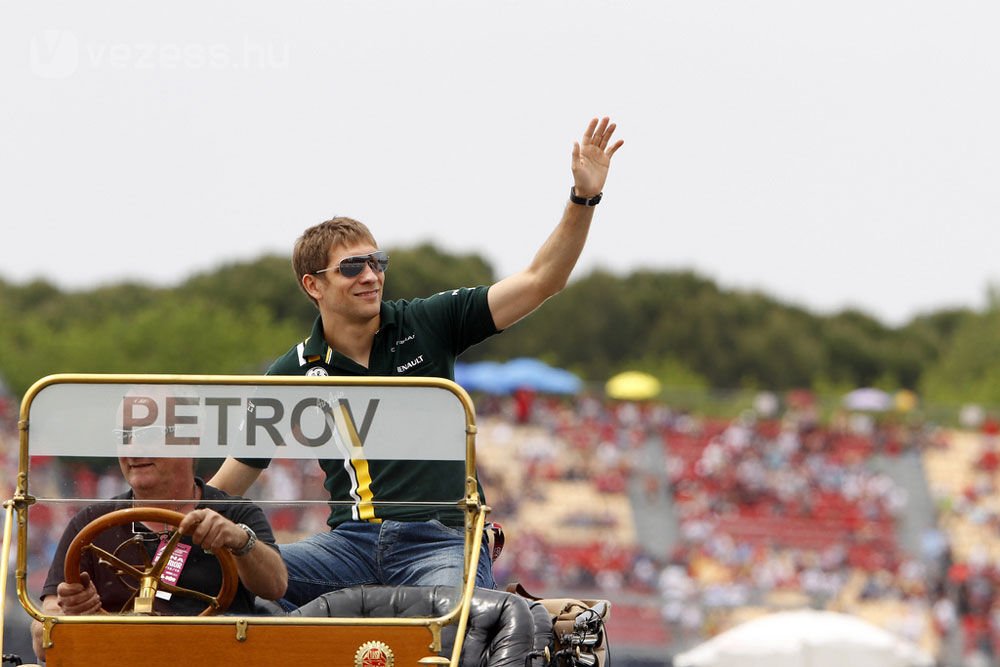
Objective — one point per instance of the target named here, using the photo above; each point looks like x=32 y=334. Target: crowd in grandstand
x=764 y=507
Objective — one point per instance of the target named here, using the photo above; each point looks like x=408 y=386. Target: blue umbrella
x=521 y=373
x=485 y=376
x=527 y=373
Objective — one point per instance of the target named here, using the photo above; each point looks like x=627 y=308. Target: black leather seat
x=503 y=628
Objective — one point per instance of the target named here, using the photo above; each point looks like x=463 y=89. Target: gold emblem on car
x=374 y=654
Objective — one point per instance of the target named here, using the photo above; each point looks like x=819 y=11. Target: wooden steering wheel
x=150 y=576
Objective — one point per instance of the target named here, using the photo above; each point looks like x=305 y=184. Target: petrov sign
x=306 y=420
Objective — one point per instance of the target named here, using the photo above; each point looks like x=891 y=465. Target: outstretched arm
x=518 y=295
x=234 y=477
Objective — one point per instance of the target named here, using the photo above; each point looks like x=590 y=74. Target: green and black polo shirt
x=422 y=337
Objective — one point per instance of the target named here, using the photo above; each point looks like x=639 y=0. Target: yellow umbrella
x=905 y=400
x=632 y=386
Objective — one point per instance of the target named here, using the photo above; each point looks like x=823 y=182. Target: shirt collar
x=130 y=494
x=316 y=345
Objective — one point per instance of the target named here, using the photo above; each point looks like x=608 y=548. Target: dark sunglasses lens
x=353 y=266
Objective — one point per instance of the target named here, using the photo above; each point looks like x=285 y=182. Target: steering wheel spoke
x=109 y=559
x=211 y=600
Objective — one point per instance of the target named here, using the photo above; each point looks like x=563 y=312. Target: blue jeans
x=395 y=553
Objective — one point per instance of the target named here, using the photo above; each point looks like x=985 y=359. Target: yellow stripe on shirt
x=349 y=434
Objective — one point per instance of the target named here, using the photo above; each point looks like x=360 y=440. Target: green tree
x=969 y=367
x=240 y=316
x=423 y=270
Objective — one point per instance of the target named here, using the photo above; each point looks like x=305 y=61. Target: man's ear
x=309 y=284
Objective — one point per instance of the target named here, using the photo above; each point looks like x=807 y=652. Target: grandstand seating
x=585 y=524
x=952 y=474
x=637 y=625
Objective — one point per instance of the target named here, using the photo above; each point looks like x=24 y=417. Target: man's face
x=352 y=298
x=158 y=477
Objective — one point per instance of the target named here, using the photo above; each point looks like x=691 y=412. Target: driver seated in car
x=209 y=524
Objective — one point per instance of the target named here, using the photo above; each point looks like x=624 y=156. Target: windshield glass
x=401 y=448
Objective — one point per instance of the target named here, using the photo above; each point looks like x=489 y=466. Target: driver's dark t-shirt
x=201 y=571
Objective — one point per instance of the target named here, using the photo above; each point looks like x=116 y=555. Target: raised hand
x=592 y=157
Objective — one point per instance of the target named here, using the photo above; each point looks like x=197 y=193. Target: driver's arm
x=263 y=572
x=261 y=569
x=234 y=477
x=50 y=608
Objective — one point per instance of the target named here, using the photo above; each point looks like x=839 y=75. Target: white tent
x=805 y=638
x=868 y=399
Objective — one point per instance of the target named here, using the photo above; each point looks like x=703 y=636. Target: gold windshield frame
x=16 y=509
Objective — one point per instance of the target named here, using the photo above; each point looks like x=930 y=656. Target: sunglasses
x=143 y=435
x=350 y=267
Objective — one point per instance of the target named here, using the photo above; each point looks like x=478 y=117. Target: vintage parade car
x=74 y=427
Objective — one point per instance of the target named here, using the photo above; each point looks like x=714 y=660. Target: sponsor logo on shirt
x=410 y=364
x=400 y=342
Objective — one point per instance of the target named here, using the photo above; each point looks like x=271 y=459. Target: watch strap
x=251 y=540
x=583 y=201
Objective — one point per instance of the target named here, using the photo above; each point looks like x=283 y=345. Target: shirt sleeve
x=461 y=317
x=243 y=511
x=259 y=464
x=281 y=366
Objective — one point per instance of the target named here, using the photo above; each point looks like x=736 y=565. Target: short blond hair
x=312 y=249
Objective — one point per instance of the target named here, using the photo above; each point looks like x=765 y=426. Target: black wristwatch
x=582 y=201
x=251 y=540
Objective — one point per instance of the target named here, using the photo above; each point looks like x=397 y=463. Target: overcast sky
x=830 y=154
